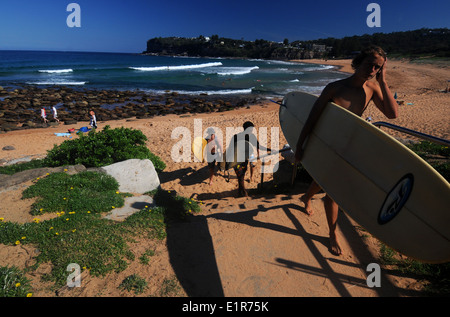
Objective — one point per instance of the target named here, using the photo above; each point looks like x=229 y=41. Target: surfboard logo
x=396 y=199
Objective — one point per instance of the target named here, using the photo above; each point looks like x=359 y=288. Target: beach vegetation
x=82 y=192
x=94 y=149
x=105 y=147
x=437 y=155
x=170 y=287
x=13 y=282
x=23 y=166
x=79 y=234
x=134 y=283
x=436 y=277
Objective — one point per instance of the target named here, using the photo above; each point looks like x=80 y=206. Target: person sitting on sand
x=93 y=122
x=213 y=149
x=241 y=168
x=354 y=94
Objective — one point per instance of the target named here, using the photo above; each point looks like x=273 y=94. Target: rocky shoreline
x=20 y=107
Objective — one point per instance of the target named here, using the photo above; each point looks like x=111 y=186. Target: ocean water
x=158 y=74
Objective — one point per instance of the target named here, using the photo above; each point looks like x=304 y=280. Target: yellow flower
x=51 y=228
x=117 y=192
x=29 y=294
x=74 y=230
x=67 y=219
x=17 y=242
x=56 y=233
x=71 y=187
x=113 y=207
x=1 y=219
x=23 y=238
x=65 y=170
x=64 y=198
x=88 y=212
x=17 y=284
x=36 y=220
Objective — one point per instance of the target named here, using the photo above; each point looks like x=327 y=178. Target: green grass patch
x=134 y=283
x=82 y=192
x=437 y=275
x=19 y=167
x=13 y=283
x=178 y=208
x=78 y=234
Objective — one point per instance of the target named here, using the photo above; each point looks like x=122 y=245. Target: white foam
x=318 y=67
x=62 y=83
x=56 y=71
x=206 y=92
x=228 y=71
x=180 y=67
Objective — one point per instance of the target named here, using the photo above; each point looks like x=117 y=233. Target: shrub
x=103 y=148
x=134 y=283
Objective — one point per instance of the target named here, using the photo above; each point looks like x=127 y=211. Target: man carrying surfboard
x=213 y=149
x=354 y=94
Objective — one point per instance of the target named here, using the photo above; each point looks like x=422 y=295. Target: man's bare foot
x=308 y=209
x=335 y=247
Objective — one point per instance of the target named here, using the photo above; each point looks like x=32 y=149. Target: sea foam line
x=206 y=92
x=56 y=71
x=227 y=71
x=180 y=67
x=62 y=83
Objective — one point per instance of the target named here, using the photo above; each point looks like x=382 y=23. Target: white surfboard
x=376 y=180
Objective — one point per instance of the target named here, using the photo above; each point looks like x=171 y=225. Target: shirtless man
x=212 y=148
x=354 y=94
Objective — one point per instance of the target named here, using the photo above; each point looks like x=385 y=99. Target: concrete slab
x=131 y=206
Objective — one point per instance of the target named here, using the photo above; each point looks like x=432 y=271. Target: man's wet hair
x=369 y=51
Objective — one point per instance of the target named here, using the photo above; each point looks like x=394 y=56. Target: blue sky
x=125 y=26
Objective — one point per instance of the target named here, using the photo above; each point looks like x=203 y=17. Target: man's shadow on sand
x=192 y=254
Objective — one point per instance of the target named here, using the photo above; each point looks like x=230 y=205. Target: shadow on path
x=192 y=256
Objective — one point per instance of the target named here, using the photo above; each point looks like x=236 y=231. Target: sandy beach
x=262 y=245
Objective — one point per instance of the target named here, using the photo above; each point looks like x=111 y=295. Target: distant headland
x=434 y=42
